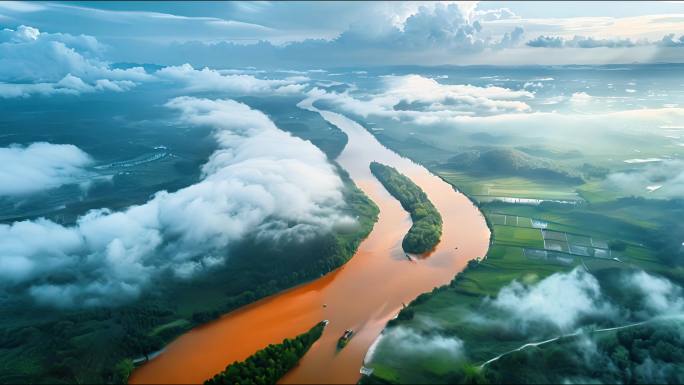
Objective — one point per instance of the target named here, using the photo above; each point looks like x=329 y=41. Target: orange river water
x=362 y=295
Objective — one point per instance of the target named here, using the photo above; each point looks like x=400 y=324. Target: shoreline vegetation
x=426 y=230
x=146 y=326
x=270 y=364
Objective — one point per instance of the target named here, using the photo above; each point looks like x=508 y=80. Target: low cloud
x=664 y=179
x=568 y=301
x=561 y=300
x=671 y=41
x=581 y=42
x=656 y=295
x=407 y=342
x=40 y=166
x=544 y=41
x=425 y=101
x=260 y=182
x=580 y=99
x=212 y=80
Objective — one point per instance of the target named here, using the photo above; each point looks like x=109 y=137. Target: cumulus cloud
x=68 y=85
x=260 y=182
x=212 y=80
x=581 y=42
x=426 y=101
x=670 y=40
x=511 y=39
x=377 y=33
x=34 y=62
x=447 y=26
x=580 y=99
x=40 y=166
x=561 y=300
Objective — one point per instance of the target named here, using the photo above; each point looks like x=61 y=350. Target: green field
x=482 y=188
x=602 y=232
x=518 y=236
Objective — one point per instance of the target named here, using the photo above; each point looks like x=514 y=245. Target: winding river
x=362 y=295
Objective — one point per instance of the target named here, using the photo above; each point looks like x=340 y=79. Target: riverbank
x=353 y=297
x=426 y=230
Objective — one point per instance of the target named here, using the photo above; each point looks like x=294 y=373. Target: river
x=362 y=295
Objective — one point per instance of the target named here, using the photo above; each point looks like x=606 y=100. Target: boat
x=366 y=371
x=344 y=340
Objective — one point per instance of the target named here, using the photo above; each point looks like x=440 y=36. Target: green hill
x=506 y=161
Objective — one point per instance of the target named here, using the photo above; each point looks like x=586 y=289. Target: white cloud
x=34 y=62
x=426 y=101
x=582 y=42
x=260 y=182
x=670 y=40
x=667 y=174
x=494 y=14
x=580 y=99
x=68 y=85
x=212 y=80
x=406 y=341
x=561 y=300
x=658 y=296
x=40 y=166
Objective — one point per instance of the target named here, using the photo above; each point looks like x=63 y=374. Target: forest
x=57 y=348
x=426 y=230
x=268 y=365
x=640 y=354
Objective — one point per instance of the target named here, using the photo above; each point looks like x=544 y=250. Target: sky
x=329 y=34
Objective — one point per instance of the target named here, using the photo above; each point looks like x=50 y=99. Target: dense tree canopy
x=427 y=222
x=645 y=354
x=268 y=365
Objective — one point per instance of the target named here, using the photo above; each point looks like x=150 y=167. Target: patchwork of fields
x=530 y=242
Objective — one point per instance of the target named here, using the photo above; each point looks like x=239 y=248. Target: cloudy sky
x=361 y=33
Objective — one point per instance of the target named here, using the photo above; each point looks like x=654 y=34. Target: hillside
x=506 y=161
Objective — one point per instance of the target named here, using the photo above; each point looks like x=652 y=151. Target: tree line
x=268 y=365
x=426 y=230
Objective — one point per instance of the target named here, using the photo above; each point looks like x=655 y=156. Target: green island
x=556 y=215
x=56 y=346
x=426 y=229
x=268 y=365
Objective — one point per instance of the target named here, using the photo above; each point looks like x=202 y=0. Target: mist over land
x=157 y=176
